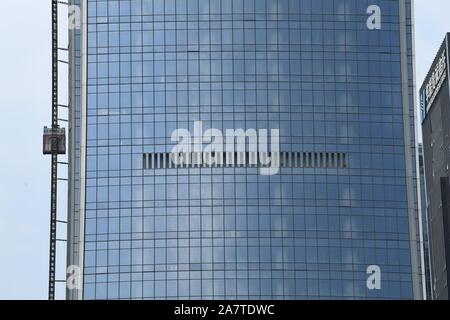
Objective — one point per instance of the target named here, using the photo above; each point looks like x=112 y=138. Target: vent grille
x=325 y=160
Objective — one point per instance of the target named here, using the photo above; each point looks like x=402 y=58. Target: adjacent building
x=338 y=219
x=435 y=106
x=424 y=222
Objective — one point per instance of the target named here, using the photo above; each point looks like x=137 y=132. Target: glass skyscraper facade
x=342 y=96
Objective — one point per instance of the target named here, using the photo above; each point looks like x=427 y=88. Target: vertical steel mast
x=54 y=178
x=54 y=144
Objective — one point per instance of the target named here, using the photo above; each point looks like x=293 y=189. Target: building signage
x=435 y=81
